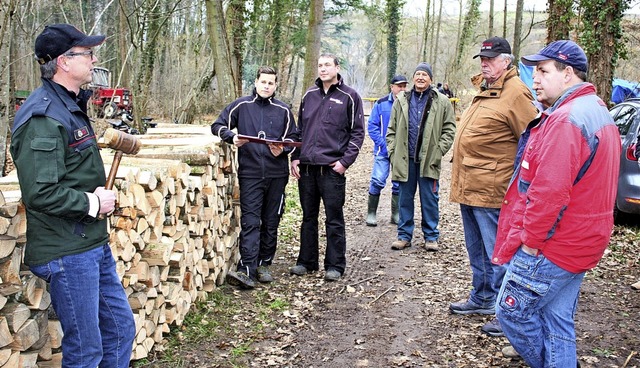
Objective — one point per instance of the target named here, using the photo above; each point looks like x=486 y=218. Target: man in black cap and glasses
x=62 y=180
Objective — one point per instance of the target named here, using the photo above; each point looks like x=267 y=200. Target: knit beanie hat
x=425 y=67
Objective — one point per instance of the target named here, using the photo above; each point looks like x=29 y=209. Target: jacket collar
x=72 y=101
x=260 y=99
x=333 y=86
x=481 y=85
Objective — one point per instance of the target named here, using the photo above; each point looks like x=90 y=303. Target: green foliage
x=394 y=21
x=470 y=21
x=598 y=14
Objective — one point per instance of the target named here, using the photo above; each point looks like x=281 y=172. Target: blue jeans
x=92 y=307
x=379 y=175
x=480 y=227
x=428 y=201
x=322 y=183
x=536 y=306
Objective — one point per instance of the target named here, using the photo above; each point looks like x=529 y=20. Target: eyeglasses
x=83 y=53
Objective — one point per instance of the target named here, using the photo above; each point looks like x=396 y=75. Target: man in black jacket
x=263 y=172
x=331 y=126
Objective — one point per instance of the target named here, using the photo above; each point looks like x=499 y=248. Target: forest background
x=185 y=59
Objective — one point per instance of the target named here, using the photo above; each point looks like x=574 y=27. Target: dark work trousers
x=261 y=205
x=315 y=183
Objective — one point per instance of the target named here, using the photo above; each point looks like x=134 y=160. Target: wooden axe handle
x=112 y=175
x=114 y=169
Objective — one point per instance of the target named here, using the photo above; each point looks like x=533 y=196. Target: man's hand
x=337 y=167
x=107 y=199
x=239 y=142
x=276 y=148
x=294 y=169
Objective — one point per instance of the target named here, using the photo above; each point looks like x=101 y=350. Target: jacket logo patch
x=525 y=165
x=81 y=133
x=510 y=301
x=335 y=100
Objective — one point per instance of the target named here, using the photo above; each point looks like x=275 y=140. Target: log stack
x=174 y=235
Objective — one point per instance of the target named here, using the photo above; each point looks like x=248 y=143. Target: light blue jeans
x=428 y=202
x=536 y=307
x=379 y=175
x=92 y=307
x=480 y=227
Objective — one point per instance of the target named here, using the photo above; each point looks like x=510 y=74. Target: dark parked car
x=627 y=117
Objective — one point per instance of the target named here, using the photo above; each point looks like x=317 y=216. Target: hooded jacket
x=259 y=117
x=438 y=132
x=331 y=125
x=487 y=138
x=561 y=197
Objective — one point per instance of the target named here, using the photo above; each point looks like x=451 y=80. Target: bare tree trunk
x=221 y=55
x=236 y=16
x=517 y=30
x=314 y=36
x=437 y=42
x=504 y=21
x=7 y=76
x=425 y=38
x=491 y=14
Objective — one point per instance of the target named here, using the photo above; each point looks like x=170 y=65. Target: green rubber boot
x=372 y=208
x=395 y=212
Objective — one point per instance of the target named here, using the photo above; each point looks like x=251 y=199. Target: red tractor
x=109 y=102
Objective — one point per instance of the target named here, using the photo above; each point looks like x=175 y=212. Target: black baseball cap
x=564 y=51
x=399 y=79
x=56 y=39
x=493 y=47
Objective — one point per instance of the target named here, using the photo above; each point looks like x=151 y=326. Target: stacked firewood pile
x=173 y=234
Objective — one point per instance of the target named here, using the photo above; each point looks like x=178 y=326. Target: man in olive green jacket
x=421 y=131
x=483 y=154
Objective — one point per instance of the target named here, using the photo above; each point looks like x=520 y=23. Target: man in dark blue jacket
x=331 y=127
x=263 y=172
x=377 y=128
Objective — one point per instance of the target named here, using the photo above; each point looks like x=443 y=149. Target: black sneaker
x=240 y=279
x=469 y=307
x=493 y=328
x=332 y=275
x=264 y=275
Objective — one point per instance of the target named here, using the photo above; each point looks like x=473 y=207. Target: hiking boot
x=240 y=279
x=431 y=246
x=510 y=352
x=469 y=307
x=493 y=328
x=400 y=244
x=395 y=212
x=372 y=208
x=332 y=275
x=264 y=275
x=298 y=270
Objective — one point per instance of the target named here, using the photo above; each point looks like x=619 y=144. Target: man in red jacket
x=557 y=215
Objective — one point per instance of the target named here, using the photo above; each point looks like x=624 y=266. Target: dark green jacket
x=56 y=155
x=437 y=136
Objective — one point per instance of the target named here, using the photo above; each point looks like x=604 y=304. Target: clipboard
x=253 y=139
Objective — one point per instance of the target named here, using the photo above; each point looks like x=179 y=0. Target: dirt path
x=391 y=307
